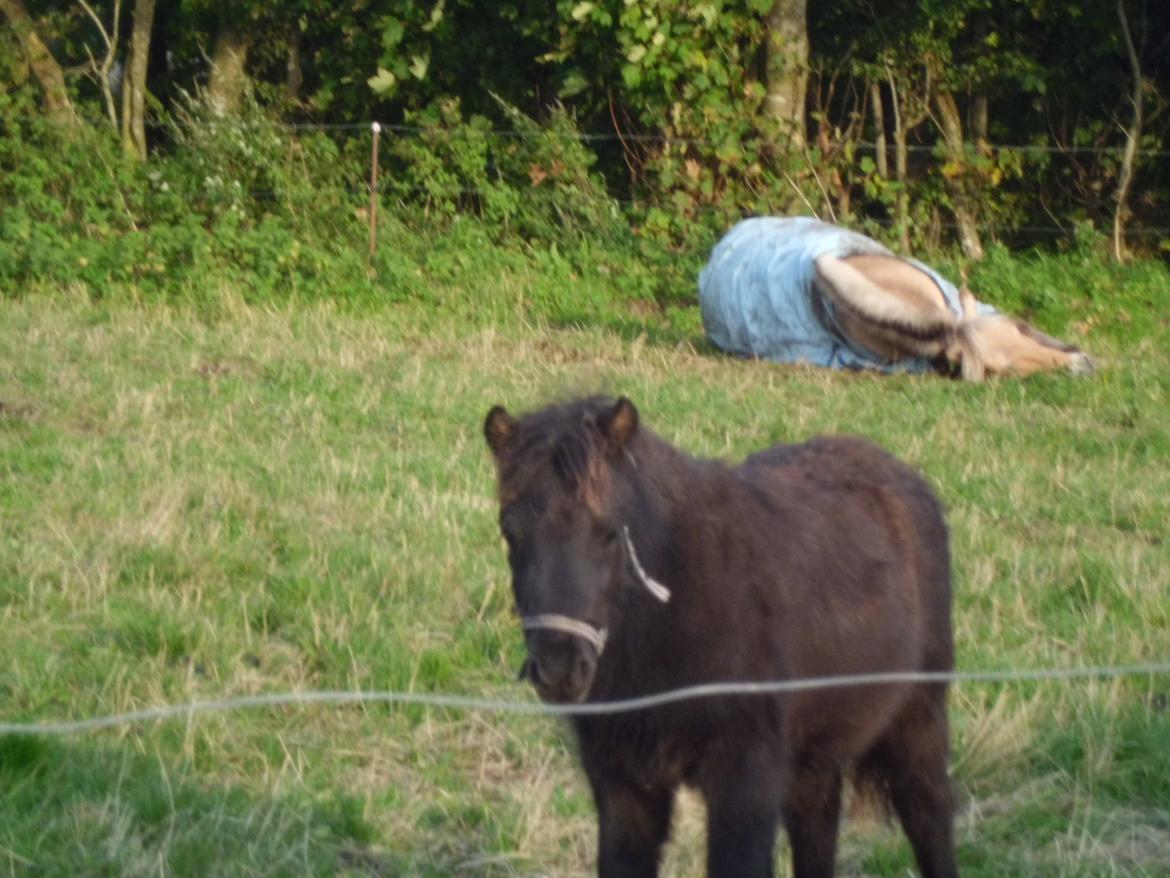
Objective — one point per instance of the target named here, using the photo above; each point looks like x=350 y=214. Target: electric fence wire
x=514 y=706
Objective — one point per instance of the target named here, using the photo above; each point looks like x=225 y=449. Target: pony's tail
x=920 y=331
x=926 y=332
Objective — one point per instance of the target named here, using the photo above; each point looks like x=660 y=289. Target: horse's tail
x=920 y=331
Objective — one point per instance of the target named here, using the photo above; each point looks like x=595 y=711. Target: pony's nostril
x=582 y=670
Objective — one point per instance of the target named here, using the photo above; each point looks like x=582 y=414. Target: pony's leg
x=812 y=815
x=633 y=824
x=743 y=816
x=912 y=759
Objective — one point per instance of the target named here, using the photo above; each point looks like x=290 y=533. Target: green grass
x=229 y=498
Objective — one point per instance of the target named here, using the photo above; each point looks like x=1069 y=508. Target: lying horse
x=799 y=290
x=638 y=569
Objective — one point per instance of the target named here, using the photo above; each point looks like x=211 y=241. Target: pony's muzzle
x=559 y=665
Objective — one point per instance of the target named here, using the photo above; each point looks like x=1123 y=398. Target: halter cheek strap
x=661 y=592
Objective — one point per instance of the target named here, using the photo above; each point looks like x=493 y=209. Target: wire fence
x=360 y=193
x=515 y=706
x=666 y=139
x=627 y=201
x=624 y=198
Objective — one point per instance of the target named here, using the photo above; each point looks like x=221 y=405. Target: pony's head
x=565 y=477
x=997 y=344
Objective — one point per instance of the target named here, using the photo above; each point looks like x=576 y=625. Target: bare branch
x=1132 y=136
x=102 y=71
x=101 y=27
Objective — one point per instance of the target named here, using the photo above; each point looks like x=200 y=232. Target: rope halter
x=595 y=637
x=591 y=634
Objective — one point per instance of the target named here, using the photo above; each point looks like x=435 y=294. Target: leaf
x=382 y=82
x=418 y=66
x=729 y=152
x=574 y=84
x=436 y=17
x=581 y=11
x=636 y=54
x=392 y=32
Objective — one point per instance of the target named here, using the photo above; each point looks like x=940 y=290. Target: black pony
x=638 y=569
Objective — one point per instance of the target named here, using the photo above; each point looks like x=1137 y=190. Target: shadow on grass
x=70 y=808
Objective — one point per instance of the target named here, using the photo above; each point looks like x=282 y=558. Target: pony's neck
x=667 y=485
x=664 y=490
x=660 y=476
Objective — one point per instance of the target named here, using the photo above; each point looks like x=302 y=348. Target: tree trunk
x=228 y=79
x=901 y=167
x=45 y=68
x=951 y=124
x=134 y=82
x=786 y=70
x=879 y=130
x=1132 y=136
x=979 y=120
x=295 y=75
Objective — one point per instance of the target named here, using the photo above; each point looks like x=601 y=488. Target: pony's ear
x=618 y=424
x=498 y=428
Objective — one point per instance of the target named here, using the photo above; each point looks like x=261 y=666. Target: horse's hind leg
x=812 y=814
x=911 y=761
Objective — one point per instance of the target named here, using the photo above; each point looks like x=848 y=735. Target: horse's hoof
x=1082 y=364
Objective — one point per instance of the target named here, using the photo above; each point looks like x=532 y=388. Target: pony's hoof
x=1082 y=364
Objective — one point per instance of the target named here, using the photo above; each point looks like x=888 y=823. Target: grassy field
x=232 y=498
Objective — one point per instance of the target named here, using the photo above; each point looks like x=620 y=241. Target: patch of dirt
x=220 y=367
x=16 y=411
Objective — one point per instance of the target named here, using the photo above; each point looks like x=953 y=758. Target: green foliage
x=242 y=200
x=670 y=94
x=532 y=180
x=237 y=196
x=687 y=75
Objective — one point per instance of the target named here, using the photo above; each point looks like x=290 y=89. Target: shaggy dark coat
x=811 y=560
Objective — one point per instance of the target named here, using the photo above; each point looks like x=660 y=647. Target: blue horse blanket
x=757 y=296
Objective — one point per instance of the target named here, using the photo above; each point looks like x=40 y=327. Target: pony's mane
x=566 y=438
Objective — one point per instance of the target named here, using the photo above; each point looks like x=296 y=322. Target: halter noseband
x=552 y=621
x=591 y=634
